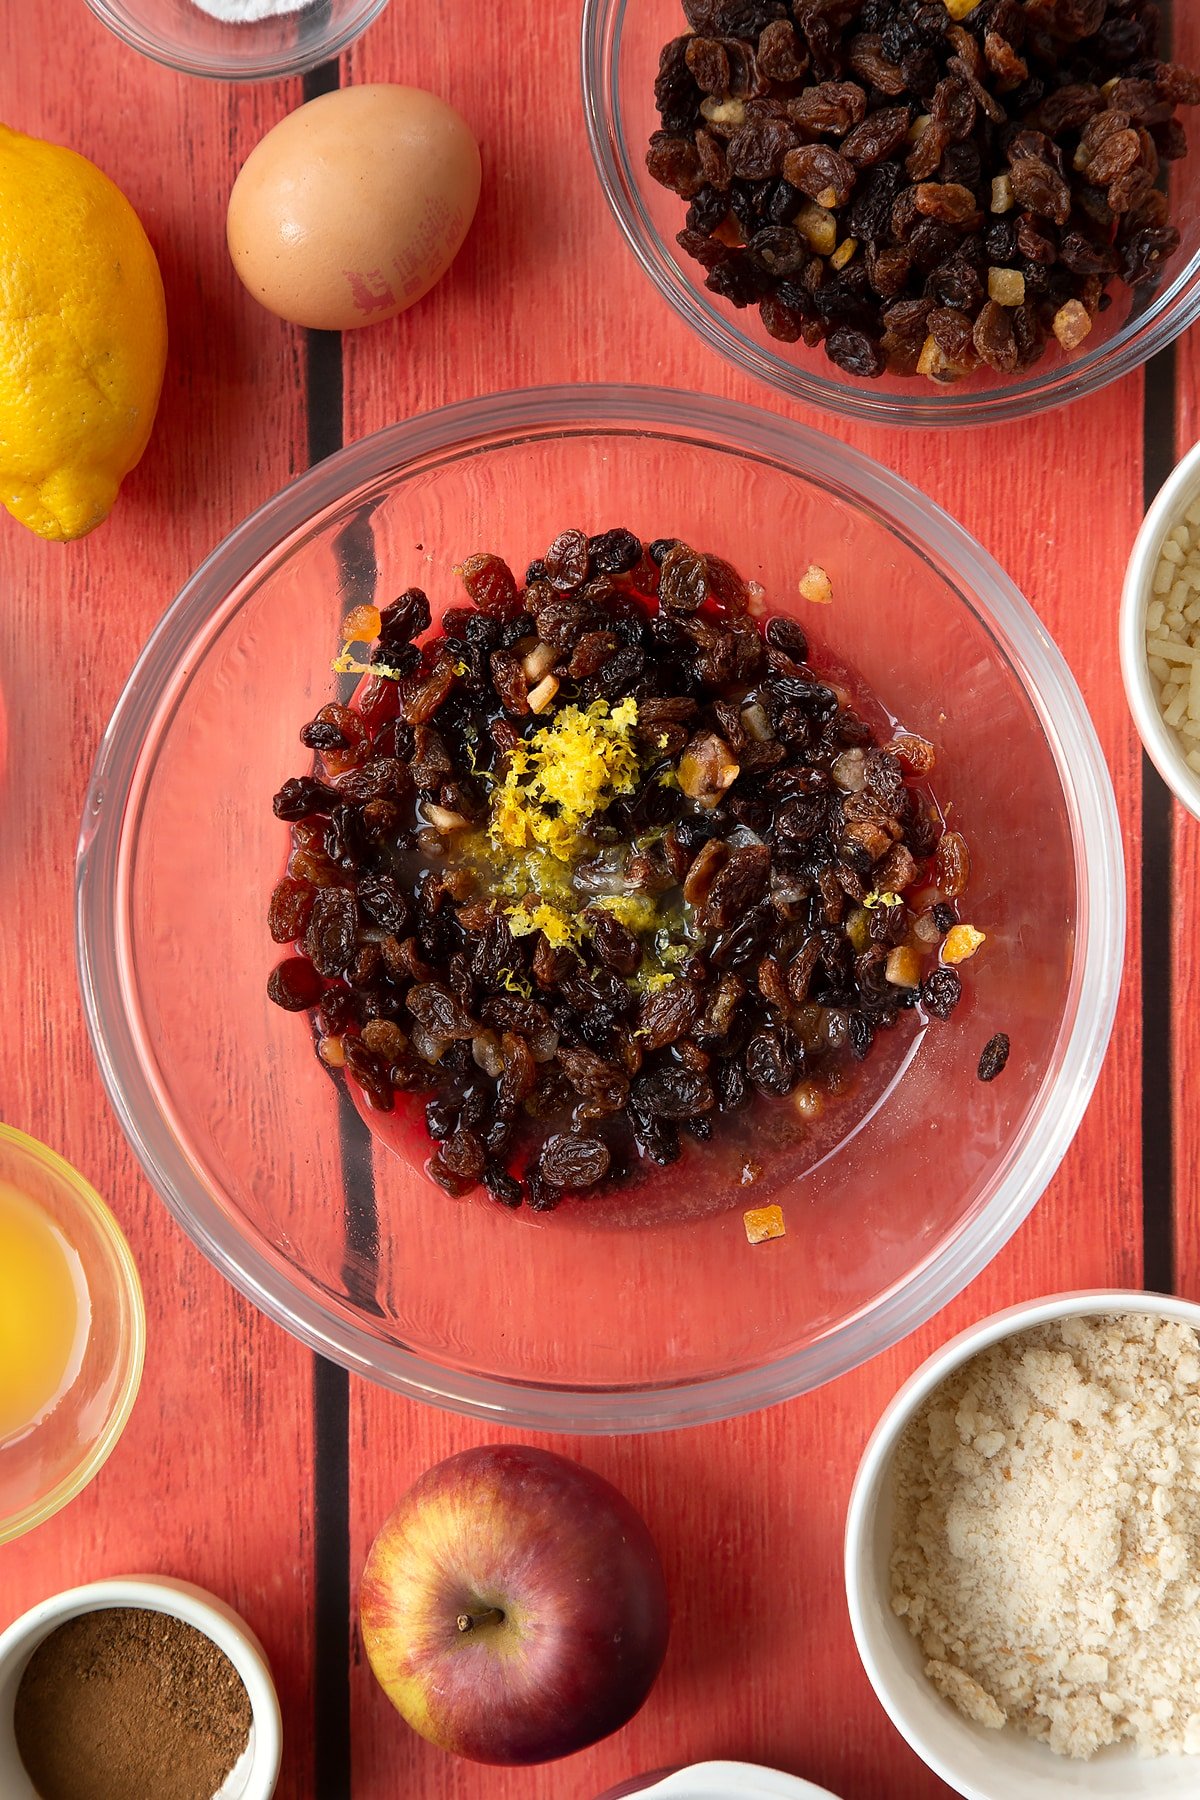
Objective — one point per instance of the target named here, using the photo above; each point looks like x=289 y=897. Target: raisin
x=501 y=1185
x=602 y=1084
x=423 y=695
x=674 y=162
x=1040 y=189
x=683 y=586
x=951 y=331
x=657 y=1139
x=382 y=900
x=668 y=1014
x=1143 y=255
x=573 y=1163
x=856 y=353
x=437 y=1011
x=787 y=635
x=676 y=95
x=924 y=159
x=736 y=886
x=946 y=201
x=758 y=150
x=768 y=1064
x=821 y=173
x=323 y=734
x=509 y=681
x=831 y=107
x=615 y=945
x=615 y=552
x=952 y=865
x=405 y=619
x=994 y=1058
x=941 y=992
x=291 y=908
x=780 y=250
x=372 y=1074
x=781 y=53
x=491 y=585
x=329 y=940
x=1116 y=155
x=879 y=136
x=781 y=322
x=294 y=984
x=995 y=343
x=567 y=561
x=673 y=1093
x=303 y=798
x=726 y=587
x=708 y=64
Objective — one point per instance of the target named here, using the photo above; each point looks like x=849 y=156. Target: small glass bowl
x=183 y=36
x=621 y=43
x=609 y=1315
x=44 y=1469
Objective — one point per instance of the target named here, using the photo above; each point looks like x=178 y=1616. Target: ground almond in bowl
x=1046 y=1539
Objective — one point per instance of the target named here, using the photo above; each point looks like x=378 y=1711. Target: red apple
x=513 y=1606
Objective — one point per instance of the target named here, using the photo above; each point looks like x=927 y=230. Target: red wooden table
x=248 y=1466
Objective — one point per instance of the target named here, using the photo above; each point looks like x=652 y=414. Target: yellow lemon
x=83 y=337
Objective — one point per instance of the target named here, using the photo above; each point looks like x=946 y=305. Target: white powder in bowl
x=247 y=12
x=1046 y=1550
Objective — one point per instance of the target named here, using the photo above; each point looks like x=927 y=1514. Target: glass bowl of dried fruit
x=921 y=214
x=544 y=937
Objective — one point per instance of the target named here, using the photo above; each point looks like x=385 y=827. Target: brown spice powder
x=124 y=1704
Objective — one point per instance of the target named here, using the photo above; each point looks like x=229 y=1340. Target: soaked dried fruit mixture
x=923 y=186
x=603 y=861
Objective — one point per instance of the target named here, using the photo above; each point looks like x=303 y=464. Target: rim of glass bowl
x=297 y=61
x=735 y=429
x=1175 y=308
x=100 y=1215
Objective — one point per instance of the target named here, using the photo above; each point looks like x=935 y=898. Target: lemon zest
x=557 y=927
x=637 y=911
x=886 y=898
x=562 y=776
x=348 y=664
x=512 y=983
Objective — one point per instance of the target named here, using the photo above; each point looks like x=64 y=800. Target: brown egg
x=354 y=205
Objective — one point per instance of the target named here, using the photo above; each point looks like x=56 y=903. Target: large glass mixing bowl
x=569 y=1321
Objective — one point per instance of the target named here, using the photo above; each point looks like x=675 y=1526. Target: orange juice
x=43 y=1314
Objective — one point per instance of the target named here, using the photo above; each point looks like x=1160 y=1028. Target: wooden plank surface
x=208 y=1482
x=215 y=1477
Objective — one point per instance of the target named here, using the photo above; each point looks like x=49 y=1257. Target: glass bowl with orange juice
x=72 y=1332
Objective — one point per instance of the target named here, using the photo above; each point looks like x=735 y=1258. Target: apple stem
x=471 y=1621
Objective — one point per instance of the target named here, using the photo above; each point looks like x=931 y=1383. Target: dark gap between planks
x=1158 y=1159
x=331 y=1385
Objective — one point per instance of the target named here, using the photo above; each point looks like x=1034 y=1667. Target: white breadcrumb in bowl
x=1160 y=632
x=1023 y=1553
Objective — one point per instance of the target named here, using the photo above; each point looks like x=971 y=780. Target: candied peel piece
x=816 y=586
x=961 y=942
x=362 y=625
x=763 y=1223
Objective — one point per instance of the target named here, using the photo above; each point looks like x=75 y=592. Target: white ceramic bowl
x=256 y=1774
x=978 y=1763
x=722 y=1781
x=1162 y=745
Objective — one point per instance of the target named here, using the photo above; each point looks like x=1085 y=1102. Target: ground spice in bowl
x=125 y=1702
